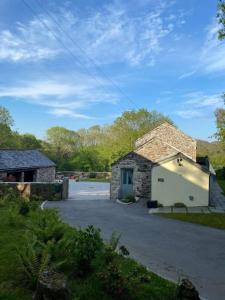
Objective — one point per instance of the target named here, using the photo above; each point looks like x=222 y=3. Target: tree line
x=97 y=147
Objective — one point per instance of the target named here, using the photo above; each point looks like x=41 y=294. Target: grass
x=222 y=184
x=12 y=286
x=215 y=220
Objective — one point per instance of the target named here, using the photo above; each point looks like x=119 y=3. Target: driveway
x=88 y=190
x=169 y=248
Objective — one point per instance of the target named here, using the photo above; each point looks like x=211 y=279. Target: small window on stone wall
x=160 y=179
x=191 y=198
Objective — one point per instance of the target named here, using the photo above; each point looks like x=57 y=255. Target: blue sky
x=80 y=63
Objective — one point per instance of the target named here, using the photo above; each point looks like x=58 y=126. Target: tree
x=29 y=141
x=120 y=137
x=221 y=19
x=5 y=117
x=220 y=124
x=62 y=142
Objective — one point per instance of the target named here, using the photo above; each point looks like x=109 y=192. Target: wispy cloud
x=198 y=104
x=112 y=34
x=213 y=53
x=186 y=75
x=62 y=96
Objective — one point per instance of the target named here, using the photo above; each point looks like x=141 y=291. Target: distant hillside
x=214 y=150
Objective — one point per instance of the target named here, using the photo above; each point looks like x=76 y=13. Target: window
x=160 y=179
x=191 y=198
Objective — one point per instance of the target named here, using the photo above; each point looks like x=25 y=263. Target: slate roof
x=23 y=159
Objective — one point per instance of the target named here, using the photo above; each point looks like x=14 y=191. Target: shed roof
x=23 y=159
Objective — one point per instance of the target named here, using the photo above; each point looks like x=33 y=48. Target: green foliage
x=83 y=248
x=34 y=259
x=46 y=225
x=214 y=150
x=24 y=208
x=179 y=205
x=5 y=117
x=221 y=19
x=129 y=199
x=115 y=283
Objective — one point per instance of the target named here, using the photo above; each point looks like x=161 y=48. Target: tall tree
x=5 y=117
x=63 y=142
x=220 y=123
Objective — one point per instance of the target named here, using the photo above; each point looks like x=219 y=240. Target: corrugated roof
x=23 y=159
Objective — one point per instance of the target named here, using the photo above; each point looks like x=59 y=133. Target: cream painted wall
x=180 y=182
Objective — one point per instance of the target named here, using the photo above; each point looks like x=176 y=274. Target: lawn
x=13 y=286
x=215 y=220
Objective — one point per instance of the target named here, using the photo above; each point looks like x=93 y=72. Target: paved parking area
x=168 y=247
x=88 y=190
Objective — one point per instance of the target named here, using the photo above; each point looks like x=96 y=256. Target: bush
x=115 y=283
x=129 y=199
x=34 y=258
x=14 y=218
x=83 y=248
x=24 y=208
x=46 y=225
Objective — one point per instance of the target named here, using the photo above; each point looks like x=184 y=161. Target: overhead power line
x=84 y=52
x=75 y=59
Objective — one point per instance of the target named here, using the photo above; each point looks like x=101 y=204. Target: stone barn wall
x=141 y=177
x=45 y=174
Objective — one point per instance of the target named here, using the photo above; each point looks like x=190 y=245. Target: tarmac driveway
x=170 y=248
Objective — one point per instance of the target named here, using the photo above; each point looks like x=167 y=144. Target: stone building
x=25 y=166
x=162 y=167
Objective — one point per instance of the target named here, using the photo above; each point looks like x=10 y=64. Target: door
x=126 y=182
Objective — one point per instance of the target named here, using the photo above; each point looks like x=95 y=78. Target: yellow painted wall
x=180 y=182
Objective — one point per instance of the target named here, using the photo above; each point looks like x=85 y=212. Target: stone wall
x=45 y=174
x=141 y=177
x=155 y=149
x=45 y=190
x=172 y=136
x=3 y=175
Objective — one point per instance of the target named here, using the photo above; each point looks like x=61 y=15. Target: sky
x=79 y=63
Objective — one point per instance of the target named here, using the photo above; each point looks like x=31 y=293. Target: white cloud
x=186 y=75
x=189 y=114
x=213 y=53
x=199 y=105
x=63 y=112
x=63 y=96
x=110 y=35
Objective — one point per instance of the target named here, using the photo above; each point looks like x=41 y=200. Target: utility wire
x=84 y=52
x=65 y=47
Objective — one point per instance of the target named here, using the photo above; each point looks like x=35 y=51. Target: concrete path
x=170 y=248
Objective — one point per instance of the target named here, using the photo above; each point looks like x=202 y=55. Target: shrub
x=129 y=199
x=36 y=198
x=123 y=251
x=34 y=258
x=46 y=225
x=14 y=218
x=24 y=208
x=83 y=248
x=115 y=283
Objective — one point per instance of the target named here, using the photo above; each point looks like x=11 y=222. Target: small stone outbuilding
x=162 y=167
x=25 y=166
